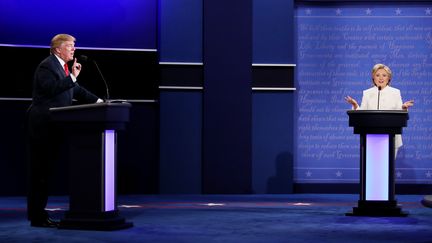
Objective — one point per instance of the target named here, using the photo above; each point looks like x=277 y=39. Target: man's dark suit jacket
x=52 y=88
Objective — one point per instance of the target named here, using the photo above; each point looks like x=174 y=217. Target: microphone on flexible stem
x=85 y=58
x=379 y=91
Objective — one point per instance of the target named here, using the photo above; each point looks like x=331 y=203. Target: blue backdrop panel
x=337 y=47
x=180 y=24
x=227 y=98
x=272 y=142
x=273 y=31
x=180 y=141
x=96 y=23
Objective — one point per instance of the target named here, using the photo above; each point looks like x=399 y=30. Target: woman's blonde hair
x=58 y=40
x=381 y=66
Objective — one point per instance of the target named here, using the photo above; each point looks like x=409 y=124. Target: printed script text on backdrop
x=336 y=49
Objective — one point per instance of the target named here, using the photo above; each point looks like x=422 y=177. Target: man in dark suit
x=53 y=86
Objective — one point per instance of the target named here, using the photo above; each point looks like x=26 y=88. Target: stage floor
x=230 y=218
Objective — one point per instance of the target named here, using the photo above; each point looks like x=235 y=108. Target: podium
x=91 y=132
x=377 y=129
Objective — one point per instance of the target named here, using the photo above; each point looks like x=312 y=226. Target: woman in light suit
x=389 y=97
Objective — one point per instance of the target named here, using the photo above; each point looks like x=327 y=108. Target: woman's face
x=381 y=78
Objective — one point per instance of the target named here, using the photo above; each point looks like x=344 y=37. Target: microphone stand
x=379 y=91
x=106 y=85
x=85 y=58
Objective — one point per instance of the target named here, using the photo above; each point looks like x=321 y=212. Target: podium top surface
x=381 y=112
x=378 y=121
x=89 y=106
x=92 y=113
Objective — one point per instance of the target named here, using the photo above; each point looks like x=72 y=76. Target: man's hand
x=76 y=68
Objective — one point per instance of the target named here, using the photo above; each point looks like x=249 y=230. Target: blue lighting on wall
x=96 y=23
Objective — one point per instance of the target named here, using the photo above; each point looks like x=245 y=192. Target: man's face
x=66 y=51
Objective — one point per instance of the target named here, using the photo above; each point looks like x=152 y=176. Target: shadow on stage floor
x=230 y=218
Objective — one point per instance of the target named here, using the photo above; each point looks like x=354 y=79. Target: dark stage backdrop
x=131 y=75
x=336 y=49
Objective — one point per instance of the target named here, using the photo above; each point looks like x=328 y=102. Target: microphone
x=379 y=91
x=84 y=58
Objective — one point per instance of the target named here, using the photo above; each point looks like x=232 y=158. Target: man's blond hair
x=58 y=40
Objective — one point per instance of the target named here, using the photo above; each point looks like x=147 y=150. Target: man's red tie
x=66 y=69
